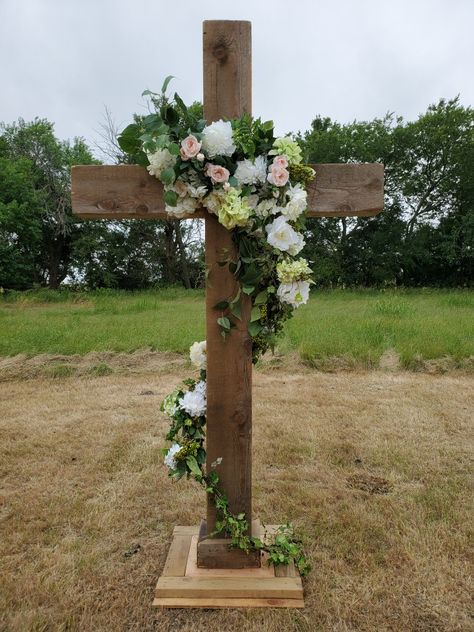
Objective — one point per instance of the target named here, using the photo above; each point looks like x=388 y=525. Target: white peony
x=194 y=402
x=169 y=460
x=184 y=206
x=296 y=202
x=295 y=294
x=161 y=159
x=217 y=139
x=298 y=246
x=281 y=235
x=251 y=172
x=197 y=355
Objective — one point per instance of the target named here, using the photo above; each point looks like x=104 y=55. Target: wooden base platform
x=184 y=585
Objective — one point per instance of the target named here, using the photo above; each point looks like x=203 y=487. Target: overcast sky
x=67 y=59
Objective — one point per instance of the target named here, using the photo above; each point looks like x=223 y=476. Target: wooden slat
x=346 y=190
x=184 y=602
x=128 y=191
x=185 y=530
x=176 y=562
x=117 y=192
x=227 y=94
x=228 y=588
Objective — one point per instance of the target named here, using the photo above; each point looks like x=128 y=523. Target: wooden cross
x=128 y=191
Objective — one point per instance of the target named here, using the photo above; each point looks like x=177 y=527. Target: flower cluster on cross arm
x=255 y=184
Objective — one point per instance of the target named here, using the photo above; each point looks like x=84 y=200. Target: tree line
x=424 y=236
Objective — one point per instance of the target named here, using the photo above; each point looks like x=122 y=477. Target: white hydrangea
x=196 y=192
x=281 y=235
x=296 y=246
x=265 y=208
x=161 y=159
x=297 y=202
x=217 y=139
x=194 y=402
x=170 y=460
x=295 y=294
x=184 y=206
x=197 y=355
x=169 y=404
x=251 y=172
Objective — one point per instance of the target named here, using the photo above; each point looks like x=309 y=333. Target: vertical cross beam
x=227 y=94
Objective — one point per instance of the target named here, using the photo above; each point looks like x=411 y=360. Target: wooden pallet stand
x=184 y=585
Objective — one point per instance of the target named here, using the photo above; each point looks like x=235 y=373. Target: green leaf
x=171 y=198
x=254 y=328
x=167 y=176
x=224 y=323
x=221 y=305
x=166 y=83
x=173 y=148
x=193 y=466
x=255 y=314
x=129 y=140
x=248 y=289
x=233 y=181
x=236 y=310
x=261 y=298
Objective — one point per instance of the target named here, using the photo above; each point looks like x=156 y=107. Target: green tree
x=36 y=224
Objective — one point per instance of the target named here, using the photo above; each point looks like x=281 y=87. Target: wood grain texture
x=128 y=191
x=175 y=565
x=346 y=190
x=228 y=588
x=227 y=93
x=186 y=602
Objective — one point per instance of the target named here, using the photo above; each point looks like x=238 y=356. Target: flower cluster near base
x=255 y=184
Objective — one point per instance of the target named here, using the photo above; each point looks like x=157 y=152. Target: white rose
x=251 y=172
x=295 y=294
x=161 y=159
x=169 y=460
x=281 y=235
x=217 y=139
x=194 y=402
x=197 y=354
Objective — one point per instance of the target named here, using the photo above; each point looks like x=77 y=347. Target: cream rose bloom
x=197 y=355
x=161 y=159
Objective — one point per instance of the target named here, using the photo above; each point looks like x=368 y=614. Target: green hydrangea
x=290 y=271
x=285 y=146
x=234 y=210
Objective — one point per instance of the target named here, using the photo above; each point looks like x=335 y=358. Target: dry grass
x=373 y=468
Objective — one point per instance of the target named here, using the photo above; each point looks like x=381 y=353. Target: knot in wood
x=106 y=205
x=220 y=52
x=142 y=208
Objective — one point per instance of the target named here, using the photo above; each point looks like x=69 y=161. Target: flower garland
x=255 y=184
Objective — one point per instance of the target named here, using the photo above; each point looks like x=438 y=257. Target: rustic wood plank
x=285 y=570
x=184 y=602
x=227 y=94
x=193 y=570
x=128 y=191
x=343 y=190
x=185 y=530
x=177 y=559
x=228 y=588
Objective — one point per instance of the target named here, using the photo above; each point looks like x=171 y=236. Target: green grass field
x=354 y=327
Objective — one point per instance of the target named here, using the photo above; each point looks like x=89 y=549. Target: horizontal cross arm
x=128 y=191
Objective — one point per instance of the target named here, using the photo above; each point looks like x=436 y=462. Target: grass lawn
x=345 y=328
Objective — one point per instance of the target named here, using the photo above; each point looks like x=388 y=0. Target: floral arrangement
x=255 y=184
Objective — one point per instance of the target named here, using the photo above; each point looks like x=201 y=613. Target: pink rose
x=217 y=173
x=281 y=161
x=278 y=176
x=190 y=147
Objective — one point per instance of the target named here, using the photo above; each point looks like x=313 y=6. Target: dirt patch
x=369 y=483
